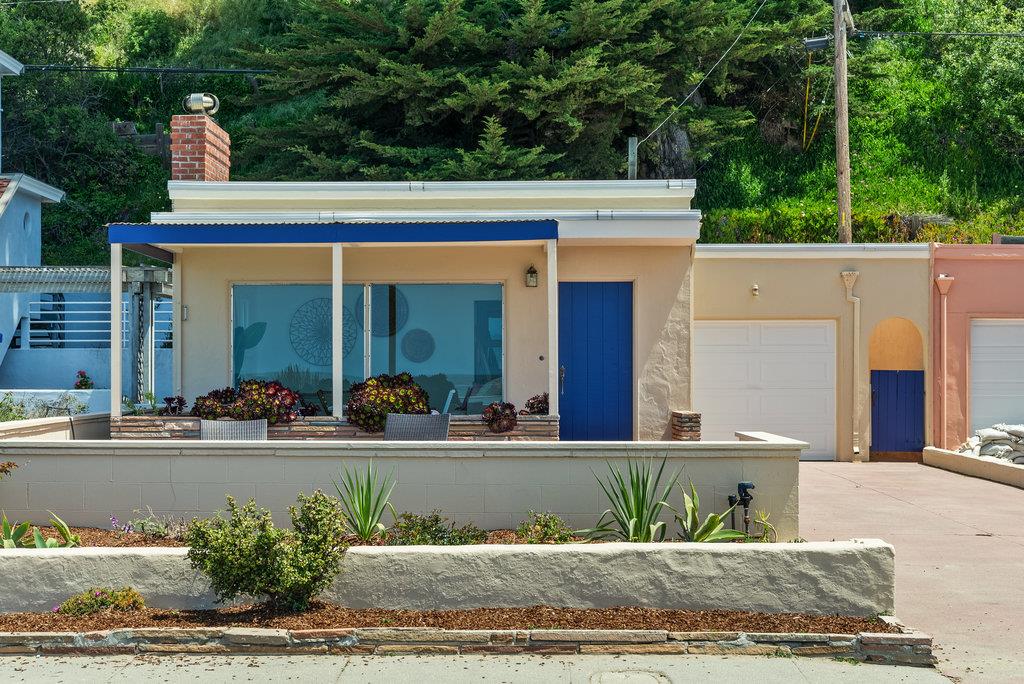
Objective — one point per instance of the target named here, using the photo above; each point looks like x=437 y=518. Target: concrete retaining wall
x=57 y=429
x=850 y=578
x=493 y=484
x=987 y=468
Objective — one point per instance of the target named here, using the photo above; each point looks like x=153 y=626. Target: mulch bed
x=329 y=616
x=97 y=536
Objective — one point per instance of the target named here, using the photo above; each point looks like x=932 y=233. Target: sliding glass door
x=449 y=337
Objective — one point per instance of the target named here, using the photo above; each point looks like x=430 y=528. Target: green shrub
x=544 y=528
x=412 y=529
x=96 y=600
x=11 y=408
x=246 y=554
x=371 y=401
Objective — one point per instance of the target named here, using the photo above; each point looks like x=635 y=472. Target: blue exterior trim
x=318 y=233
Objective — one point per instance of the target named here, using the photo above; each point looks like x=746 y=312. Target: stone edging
x=908 y=648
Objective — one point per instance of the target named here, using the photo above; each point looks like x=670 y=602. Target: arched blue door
x=595 y=355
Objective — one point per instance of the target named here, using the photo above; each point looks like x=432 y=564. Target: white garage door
x=997 y=372
x=776 y=376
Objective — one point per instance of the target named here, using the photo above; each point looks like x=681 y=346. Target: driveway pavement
x=533 y=669
x=959 y=554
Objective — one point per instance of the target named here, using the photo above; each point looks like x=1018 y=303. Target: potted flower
x=500 y=416
x=258 y=402
x=83 y=381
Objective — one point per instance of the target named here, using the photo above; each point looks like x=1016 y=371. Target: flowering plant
x=83 y=381
x=253 y=400
x=500 y=416
x=371 y=401
x=536 y=405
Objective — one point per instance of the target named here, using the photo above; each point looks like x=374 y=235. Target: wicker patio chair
x=233 y=430
x=417 y=427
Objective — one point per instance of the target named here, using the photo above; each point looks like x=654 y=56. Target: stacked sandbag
x=999 y=441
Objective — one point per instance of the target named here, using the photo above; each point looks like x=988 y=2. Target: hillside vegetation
x=526 y=89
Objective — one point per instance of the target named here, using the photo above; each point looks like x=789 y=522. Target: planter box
x=463 y=428
x=848 y=578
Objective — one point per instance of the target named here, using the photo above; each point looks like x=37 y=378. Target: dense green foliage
x=246 y=554
x=413 y=529
x=500 y=89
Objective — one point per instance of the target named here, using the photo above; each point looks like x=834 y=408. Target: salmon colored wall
x=988 y=282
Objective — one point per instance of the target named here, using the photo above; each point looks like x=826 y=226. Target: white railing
x=55 y=322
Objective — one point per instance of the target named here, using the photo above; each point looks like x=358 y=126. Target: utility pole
x=841 y=20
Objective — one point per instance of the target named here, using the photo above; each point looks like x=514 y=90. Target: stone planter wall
x=463 y=428
x=847 y=578
x=908 y=648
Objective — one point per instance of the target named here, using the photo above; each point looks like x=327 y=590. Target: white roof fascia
x=32 y=186
x=575 y=226
x=10 y=66
x=269 y=190
x=422 y=216
x=902 y=250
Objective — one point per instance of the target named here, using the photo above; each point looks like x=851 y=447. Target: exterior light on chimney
x=201 y=103
x=532 y=278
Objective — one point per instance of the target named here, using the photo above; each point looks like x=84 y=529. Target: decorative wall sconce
x=755 y=290
x=532 y=279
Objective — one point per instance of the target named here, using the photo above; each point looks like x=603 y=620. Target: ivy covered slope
x=526 y=89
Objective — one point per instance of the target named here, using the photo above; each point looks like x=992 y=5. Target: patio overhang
x=167 y=236
x=165 y=240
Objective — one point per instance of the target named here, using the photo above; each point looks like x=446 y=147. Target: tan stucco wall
x=812 y=289
x=896 y=344
x=662 y=314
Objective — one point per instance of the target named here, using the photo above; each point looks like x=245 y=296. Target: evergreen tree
x=394 y=89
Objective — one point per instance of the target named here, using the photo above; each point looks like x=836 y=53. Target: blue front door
x=897 y=410
x=595 y=358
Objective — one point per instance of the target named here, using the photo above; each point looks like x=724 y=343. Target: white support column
x=337 y=330
x=553 y=365
x=115 y=330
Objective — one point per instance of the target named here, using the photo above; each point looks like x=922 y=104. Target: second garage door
x=775 y=376
x=997 y=372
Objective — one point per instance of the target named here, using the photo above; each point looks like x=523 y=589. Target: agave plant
x=364 y=498
x=635 y=503
x=14 y=535
x=17 y=536
x=713 y=527
x=67 y=538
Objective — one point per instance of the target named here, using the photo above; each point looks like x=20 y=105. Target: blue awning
x=320 y=233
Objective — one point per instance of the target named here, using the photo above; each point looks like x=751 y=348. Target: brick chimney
x=200 y=149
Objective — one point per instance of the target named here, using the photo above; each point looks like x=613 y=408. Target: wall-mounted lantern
x=532 y=279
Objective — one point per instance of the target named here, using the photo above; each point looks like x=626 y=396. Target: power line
x=88 y=68
x=32 y=2
x=676 y=107
x=941 y=34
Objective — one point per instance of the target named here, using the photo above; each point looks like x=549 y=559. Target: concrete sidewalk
x=531 y=669
x=959 y=554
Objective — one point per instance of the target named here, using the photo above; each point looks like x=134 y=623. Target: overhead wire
x=714 y=66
